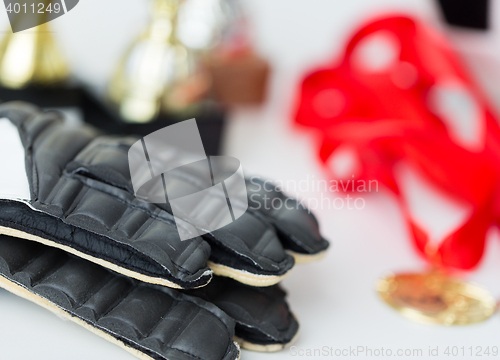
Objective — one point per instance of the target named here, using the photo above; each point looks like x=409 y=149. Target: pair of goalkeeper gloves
x=80 y=243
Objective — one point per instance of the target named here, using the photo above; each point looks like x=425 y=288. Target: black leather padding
x=160 y=322
x=114 y=225
x=262 y=315
x=296 y=226
x=18 y=216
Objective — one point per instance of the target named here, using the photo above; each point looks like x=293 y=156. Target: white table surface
x=334 y=299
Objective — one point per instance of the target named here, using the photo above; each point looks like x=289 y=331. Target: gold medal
x=436 y=298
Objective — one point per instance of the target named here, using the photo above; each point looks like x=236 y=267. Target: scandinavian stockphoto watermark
x=204 y=193
x=330 y=194
x=26 y=14
x=364 y=351
x=355 y=351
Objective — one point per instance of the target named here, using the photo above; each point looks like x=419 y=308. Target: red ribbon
x=383 y=109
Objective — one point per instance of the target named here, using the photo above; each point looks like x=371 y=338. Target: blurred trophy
x=203 y=25
x=219 y=30
x=31 y=57
x=32 y=67
x=191 y=48
x=191 y=53
x=158 y=74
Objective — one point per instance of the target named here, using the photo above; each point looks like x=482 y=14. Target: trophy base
x=436 y=298
x=45 y=97
x=209 y=117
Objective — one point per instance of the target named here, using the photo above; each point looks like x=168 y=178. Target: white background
x=335 y=299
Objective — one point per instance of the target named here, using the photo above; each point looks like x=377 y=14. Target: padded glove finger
x=81 y=200
x=263 y=319
x=151 y=322
x=296 y=226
